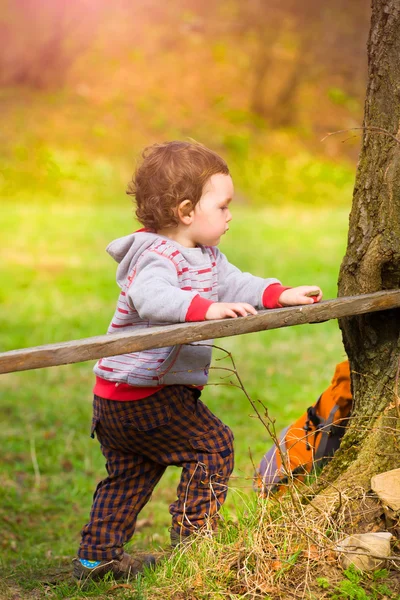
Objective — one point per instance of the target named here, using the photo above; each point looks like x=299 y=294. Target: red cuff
x=198 y=308
x=271 y=295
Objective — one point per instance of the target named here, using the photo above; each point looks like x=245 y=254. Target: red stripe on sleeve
x=204 y=271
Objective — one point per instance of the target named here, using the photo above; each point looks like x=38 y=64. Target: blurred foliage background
x=85 y=84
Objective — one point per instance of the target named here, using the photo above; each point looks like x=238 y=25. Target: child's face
x=211 y=213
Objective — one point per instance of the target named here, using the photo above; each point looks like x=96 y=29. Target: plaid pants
x=139 y=440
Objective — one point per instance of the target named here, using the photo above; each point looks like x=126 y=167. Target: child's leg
x=207 y=460
x=117 y=501
x=119 y=498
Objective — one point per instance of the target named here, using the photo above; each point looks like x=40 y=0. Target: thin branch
x=269 y=424
x=396 y=390
x=369 y=554
x=375 y=129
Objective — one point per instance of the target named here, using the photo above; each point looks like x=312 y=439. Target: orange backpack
x=313 y=438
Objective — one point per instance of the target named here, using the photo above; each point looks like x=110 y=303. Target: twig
x=378 y=556
x=396 y=389
x=376 y=129
x=269 y=424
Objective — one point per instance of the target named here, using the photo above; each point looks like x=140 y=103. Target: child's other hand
x=221 y=310
x=304 y=294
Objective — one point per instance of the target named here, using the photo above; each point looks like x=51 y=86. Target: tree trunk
x=372 y=263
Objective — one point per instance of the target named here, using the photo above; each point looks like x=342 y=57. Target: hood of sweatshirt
x=126 y=251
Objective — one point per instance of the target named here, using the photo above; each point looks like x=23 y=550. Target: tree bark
x=372 y=263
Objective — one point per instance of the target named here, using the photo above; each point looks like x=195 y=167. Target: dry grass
x=278 y=550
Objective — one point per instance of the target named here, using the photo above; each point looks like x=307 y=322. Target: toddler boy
x=147 y=414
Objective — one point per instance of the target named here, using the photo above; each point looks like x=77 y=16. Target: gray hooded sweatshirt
x=159 y=280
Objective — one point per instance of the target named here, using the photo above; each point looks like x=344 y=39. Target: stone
x=366 y=551
x=387 y=487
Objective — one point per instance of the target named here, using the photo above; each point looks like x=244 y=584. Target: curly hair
x=169 y=174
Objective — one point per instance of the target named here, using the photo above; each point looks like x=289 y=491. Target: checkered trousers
x=139 y=440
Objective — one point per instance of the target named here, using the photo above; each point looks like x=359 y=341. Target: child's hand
x=304 y=294
x=221 y=310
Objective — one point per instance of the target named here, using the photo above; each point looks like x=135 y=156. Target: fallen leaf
x=67 y=466
x=276 y=565
x=331 y=556
x=198 y=580
x=312 y=552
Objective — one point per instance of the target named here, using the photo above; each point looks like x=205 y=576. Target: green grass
x=357 y=585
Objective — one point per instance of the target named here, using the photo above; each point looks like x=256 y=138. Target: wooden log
x=185 y=333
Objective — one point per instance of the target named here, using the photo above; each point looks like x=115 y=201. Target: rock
x=387 y=487
x=366 y=551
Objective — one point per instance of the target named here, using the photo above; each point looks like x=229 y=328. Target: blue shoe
x=125 y=567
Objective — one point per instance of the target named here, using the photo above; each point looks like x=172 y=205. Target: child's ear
x=185 y=212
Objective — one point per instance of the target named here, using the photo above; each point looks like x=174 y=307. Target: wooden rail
x=185 y=333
